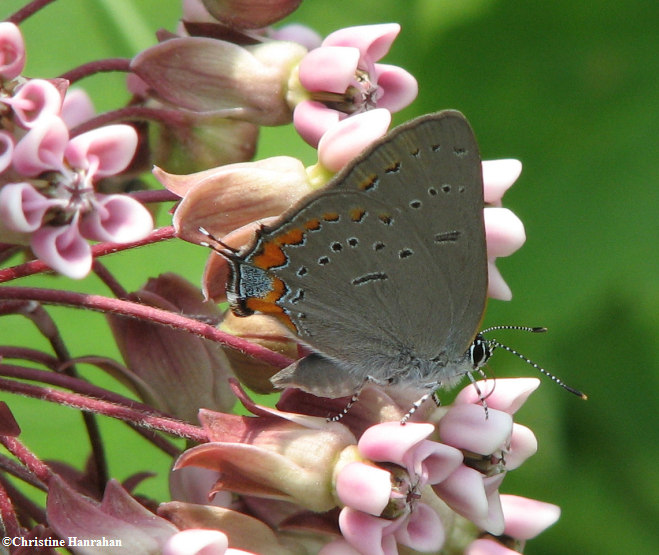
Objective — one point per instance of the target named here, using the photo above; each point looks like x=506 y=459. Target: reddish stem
x=73 y=384
x=48 y=328
x=158 y=195
x=110 y=281
x=100 y=249
x=25 y=353
x=97 y=66
x=8 y=516
x=26 y=509
x=97 y=406
x=25 y=456
x=174 y=118
x=26 y=11
x=143 y=312
x=10 y=466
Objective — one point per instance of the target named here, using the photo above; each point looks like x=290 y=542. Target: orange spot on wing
x=331 y=216
x=270 y=255
x=357 y=214
x=368 y=183
x=268 y=303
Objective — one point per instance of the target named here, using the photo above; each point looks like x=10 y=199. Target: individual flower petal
x=508 y=394
x=329 y=69
x=63 y=249
x=366 y=532
x=103 y=151
x=504 y=232
x=497 y=288
x=116 y=218
x=423 y=530
x=364 y=487
x=398 y=88
x=493 y=522
x=469 y=427
x=486 y=546
x=523 y=444
x=373 y=41
x=526 y=518
x=349 y=137
x=12 y=51
x=464 y=492
x=22 y=207
x=196 y=542
x=498 y=176
x=6 y=150
x=43 y=147
x=312 y=119
x=76 y=108
x=35 y=101
x=392 y=442
x=295 y=32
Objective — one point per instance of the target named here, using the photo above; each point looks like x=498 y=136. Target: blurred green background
x=569 y=88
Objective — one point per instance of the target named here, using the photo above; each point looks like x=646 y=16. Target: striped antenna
x=494 y=344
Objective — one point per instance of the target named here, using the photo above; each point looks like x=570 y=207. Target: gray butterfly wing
x=384 y=271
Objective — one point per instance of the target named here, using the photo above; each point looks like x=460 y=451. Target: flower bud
x=174 y=370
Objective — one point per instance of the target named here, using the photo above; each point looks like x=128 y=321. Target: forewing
x=389 y=259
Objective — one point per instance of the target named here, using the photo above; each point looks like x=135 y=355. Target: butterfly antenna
x=532 y=329
x=223 y=249
x=494 y=343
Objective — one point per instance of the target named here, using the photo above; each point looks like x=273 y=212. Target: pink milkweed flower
x=341 y=78
x=12 y=51
x=6 y=150
x=491 y=444
x=504 y=230
x=524 y=519
x=61 y=209
x=34 y=102
x=383 y=499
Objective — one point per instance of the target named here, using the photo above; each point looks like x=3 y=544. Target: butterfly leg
x=416 y=405
x=353 y=400
x=481 y=397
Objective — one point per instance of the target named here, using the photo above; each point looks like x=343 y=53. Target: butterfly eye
x=479 y=352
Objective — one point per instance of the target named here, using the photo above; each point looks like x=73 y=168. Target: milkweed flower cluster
x=48 y=195
x=274 y=480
